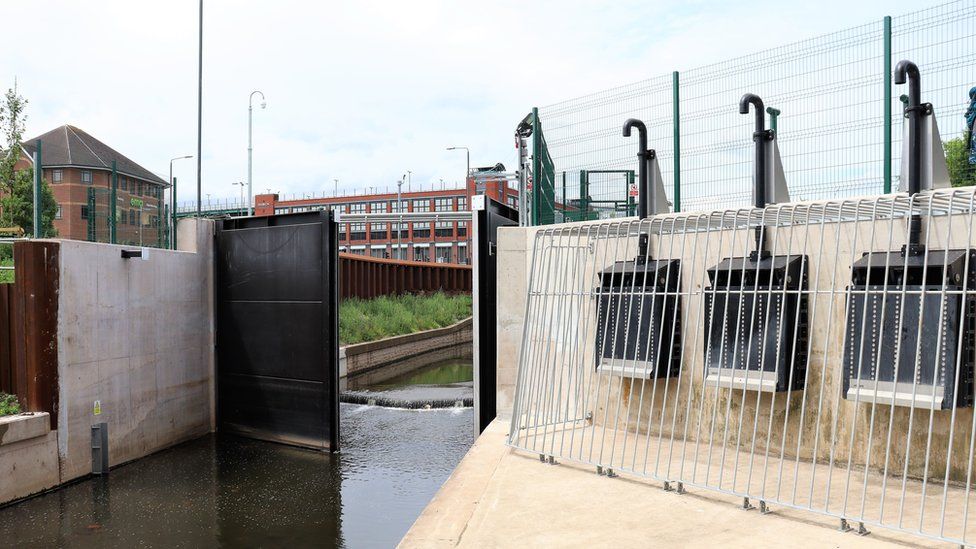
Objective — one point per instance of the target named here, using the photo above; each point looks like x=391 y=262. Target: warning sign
x=633 y=190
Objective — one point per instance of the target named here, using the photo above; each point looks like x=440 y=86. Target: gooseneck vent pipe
x=914 y=110
x=759 y=136
x=643 y=193
x=642 y=158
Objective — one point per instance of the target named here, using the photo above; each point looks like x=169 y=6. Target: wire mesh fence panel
x=826 y=99
x=942 y=41
x=799 y=355
x=584 y=136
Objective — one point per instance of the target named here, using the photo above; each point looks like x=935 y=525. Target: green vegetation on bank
x=8 y=405
x=371 y=319
x=6 y=276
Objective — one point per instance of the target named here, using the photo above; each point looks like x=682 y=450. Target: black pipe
x=759 y=136
x=906 y=70
x=642 y=158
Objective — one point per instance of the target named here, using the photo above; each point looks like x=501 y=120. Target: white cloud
x=361 y=91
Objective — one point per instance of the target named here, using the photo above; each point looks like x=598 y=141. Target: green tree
x=17 y=186
x=961 y=172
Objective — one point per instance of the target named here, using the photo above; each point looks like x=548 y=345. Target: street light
x=399 y=229
x=467 y=154
x=250 y=148
x=241 y=183
x=172 y=196
x=336 y=181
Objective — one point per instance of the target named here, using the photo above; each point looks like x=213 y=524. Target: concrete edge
x=368 y=346
x=24 y=426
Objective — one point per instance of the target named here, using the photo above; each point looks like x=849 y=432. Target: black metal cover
x=888 y=329
x=277 y=328
x=756 y=321
x=494 y=215
x=639 y=317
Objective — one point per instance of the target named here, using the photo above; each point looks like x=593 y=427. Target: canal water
x=232 y=492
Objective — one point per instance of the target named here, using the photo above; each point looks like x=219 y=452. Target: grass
x=6 y=277
x=371 y=319
x=8 y=405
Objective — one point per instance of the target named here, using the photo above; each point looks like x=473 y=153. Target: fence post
x=887 y=104
x=536 y=166
x=37 y=190
x=113 y=207
x=91 y=214
x=676 y=117
x=172 y=199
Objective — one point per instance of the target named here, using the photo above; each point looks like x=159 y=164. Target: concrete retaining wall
x=135 y=350
x=390 y=357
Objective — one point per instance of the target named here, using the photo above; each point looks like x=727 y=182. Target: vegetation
x=371 y=319
x=6 y=277
x=8 y=405
x=961 y=172
x=17 y=186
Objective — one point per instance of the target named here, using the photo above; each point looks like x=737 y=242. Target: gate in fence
x=816 y=356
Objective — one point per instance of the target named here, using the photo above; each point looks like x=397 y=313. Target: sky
x=360 y=91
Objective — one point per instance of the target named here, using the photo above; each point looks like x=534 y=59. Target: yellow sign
x=98 y=408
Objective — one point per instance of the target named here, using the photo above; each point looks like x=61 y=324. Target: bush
x=8 y=405
x=371 y=319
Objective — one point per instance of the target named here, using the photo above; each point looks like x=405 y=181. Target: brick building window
x=57 y=214
x=84 y=212
x=86 y=176
x=57 y=176
x=357 y=208
x=444 y=228
x=421 y=205
x=377 y=231
x=462 y=203
x=443 y=204
x=421 y=230
x=421 y=253
x=357 y=231
x=462 y=230
x=442 y=254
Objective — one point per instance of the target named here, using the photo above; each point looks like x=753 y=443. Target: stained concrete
x=499 y=497
x=28 y=455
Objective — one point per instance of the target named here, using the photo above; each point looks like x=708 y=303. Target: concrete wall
x=828 y=246
x=376 y=361
x=136 y=336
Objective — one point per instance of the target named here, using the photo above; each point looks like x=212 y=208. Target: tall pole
x=250 y=148
x=676 y=136
x=467 y=156
x=172 y=195
x=113 y=206
x=200 y=114
x=400 y=223
x=37 y=190
x=887 y=103
x=336 y=181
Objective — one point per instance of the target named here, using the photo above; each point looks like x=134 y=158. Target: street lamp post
x=250 y=147
x=172 y=197
x=467 y=154
x=241 y=183
x=400 y=223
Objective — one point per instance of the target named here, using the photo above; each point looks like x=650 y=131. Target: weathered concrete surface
x=137 y=337
x=501 y=498
x=376 y=356
x=28 y=456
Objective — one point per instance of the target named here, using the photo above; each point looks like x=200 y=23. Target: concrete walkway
x=498 y=497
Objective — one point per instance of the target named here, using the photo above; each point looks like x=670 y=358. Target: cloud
x=361 y=91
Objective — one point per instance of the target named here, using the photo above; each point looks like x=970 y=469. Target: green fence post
x=112 y=207
x=160 y=218
x=91 y=214
x=676 y=116
x=536 y=166
x=172 y=199
x=37 y=191
x=564 y=197
x=887 y=104
x=773 y=117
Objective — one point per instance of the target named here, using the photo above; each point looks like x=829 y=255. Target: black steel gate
x=488 y=219
x=277 y=328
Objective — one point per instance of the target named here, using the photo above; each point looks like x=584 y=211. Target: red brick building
x=444 y=242
x=78 y=169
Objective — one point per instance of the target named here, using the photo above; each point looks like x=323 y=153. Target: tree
x=961 y=172
x=17 y=186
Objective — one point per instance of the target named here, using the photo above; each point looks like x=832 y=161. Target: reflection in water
x=227 y=491
x=441 y=373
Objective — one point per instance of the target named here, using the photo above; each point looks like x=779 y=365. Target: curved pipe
x=642 y=159
x=759 y=136
x=906 y=70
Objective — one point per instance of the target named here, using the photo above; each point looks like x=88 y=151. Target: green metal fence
x=135 y=221
x=838 y=117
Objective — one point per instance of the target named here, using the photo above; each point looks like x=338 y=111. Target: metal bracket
x=861 y=530
x=844 y=526
x=763 y=508
x=746 y=506
x=610 y=473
